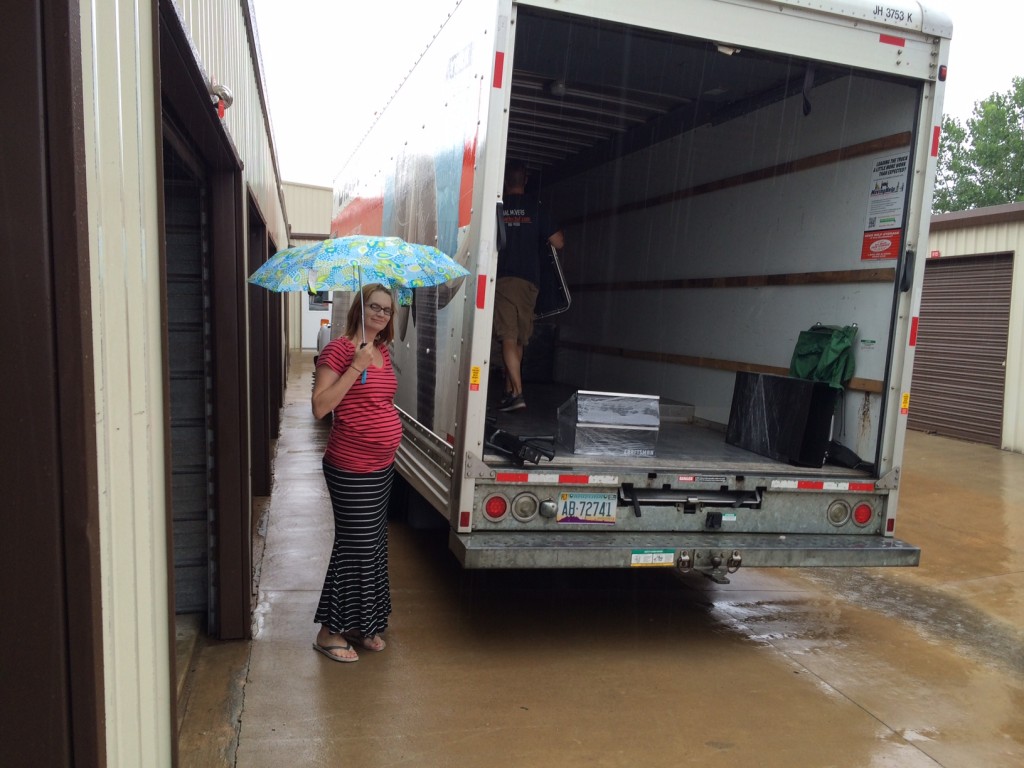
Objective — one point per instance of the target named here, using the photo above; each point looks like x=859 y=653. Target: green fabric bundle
x=825 y=353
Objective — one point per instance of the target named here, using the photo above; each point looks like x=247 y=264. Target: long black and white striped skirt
x=357 y=592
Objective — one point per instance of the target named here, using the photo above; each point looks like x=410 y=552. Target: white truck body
x=727 y=174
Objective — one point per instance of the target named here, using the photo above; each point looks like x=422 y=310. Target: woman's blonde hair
x=353 y=323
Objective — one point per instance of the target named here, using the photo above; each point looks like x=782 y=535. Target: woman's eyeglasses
x=377 y=309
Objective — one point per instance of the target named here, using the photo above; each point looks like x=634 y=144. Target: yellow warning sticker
x=905 y=404
x=474 y=378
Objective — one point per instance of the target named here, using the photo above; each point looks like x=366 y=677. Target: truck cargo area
x=713 y=201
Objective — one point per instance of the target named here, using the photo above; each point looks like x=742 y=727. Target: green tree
x=982 y=163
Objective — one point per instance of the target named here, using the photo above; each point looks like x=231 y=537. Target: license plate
x=588 y=508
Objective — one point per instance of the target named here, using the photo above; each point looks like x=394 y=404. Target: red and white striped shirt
x=366 y=429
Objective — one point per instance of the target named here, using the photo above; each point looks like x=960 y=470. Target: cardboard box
x=609 y=424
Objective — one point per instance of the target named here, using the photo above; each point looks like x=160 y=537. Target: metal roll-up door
x=188 y=343
x=960 y=364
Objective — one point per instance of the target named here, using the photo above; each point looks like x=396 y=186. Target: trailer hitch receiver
x=721 y=564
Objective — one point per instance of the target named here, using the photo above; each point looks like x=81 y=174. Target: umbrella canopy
x=348 y=263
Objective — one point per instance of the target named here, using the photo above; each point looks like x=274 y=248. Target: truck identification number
x=590 y=508
x=893 y=14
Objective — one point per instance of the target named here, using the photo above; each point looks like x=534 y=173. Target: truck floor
x=682 y=447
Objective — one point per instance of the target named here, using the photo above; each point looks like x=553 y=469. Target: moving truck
x=728 y=175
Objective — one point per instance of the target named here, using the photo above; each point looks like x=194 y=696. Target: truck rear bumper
x=628 y=550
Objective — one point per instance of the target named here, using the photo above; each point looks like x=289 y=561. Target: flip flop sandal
x=326 y=651
x=364 y=642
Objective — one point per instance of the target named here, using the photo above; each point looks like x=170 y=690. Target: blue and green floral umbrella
x=349 y=263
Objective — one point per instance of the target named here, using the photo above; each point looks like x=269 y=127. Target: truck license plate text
x=593 y=508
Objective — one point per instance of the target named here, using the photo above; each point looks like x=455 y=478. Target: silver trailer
x=727 y=175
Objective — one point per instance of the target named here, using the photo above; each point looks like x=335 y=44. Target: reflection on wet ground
x=938 y=616
x=933 y=673
x=830 y=667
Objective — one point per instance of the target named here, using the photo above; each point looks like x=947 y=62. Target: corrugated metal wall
x=219 y=32
x=119 y=96
x=309 y=214
x=121 y=126
x=309 y=210
x=996 y=230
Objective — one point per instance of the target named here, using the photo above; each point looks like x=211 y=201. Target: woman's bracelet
x=357 y=370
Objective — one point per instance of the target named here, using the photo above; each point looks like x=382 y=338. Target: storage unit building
x=147 y=375
x=970 y=358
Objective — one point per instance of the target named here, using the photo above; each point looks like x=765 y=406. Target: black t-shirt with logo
x=527 y=229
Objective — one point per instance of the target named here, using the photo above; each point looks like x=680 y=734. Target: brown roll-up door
x=960 y=364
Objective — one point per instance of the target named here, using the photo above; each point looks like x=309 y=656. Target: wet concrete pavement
x=825 y=667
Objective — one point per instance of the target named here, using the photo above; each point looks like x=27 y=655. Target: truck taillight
x=495 y=507
x=862 y=513
x=524 y=507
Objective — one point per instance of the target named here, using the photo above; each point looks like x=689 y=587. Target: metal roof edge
x=978 y=217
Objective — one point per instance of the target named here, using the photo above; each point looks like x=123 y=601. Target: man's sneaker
x=512 y=403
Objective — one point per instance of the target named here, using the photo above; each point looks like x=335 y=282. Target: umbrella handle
x=362 y=307
x=362 y=315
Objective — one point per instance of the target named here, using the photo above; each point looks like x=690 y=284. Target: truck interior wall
x=746 y=221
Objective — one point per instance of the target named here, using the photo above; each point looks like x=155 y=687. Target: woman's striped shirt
x=366 y=429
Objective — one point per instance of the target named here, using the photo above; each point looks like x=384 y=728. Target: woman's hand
x=329 y=388
x=364 y=357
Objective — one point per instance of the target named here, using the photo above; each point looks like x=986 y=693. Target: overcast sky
x=331 y=64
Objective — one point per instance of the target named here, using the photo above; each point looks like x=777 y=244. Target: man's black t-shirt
x=527 y=228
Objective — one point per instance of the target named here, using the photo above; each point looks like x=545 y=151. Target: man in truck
x=527 y=230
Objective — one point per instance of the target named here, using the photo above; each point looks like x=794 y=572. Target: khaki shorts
x=514 y=302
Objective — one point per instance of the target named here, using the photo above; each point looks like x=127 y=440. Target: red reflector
x=495 y=507
x=481 y=291
x=890 y=525
x=499 y=66
x=862 y=514
x=942 y=73
x=464 y=519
